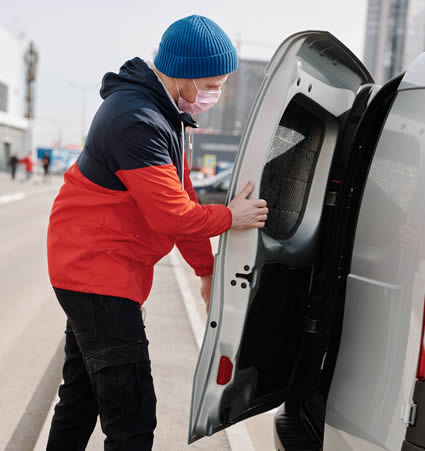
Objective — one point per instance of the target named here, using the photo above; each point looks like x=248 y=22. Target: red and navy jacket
x=122 y=206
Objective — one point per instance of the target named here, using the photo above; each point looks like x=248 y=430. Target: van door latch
x=408 y=413
x=247 y=277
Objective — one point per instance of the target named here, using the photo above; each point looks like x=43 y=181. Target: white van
x=322 y=310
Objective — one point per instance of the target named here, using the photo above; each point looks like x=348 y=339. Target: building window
x=3 y=97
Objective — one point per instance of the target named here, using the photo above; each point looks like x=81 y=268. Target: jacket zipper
x=182 y=155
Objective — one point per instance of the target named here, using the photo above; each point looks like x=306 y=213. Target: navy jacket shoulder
x=137 y=125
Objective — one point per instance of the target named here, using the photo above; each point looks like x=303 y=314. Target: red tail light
x=225 y=371
x=420 y=374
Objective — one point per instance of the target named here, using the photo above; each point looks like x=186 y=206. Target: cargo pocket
x=116 y=378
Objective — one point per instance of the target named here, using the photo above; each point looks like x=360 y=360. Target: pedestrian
x=46 y=164
x=13 y=163
x=125 y=203
x=28 y=165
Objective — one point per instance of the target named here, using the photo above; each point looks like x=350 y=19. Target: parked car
x=321 y=312
x=213 y=190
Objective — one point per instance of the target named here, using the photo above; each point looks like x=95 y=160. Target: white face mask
x=203 y=102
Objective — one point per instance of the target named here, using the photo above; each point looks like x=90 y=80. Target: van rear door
x=262 y=277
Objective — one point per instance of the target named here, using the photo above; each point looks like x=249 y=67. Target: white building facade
x=14 y=139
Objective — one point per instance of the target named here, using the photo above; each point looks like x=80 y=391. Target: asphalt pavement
x=31 y=323
x=31 y=336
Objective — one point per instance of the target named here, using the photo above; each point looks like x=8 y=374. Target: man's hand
x=248 y=213
x=206 y=282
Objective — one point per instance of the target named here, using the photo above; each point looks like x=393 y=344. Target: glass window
x=3 y=97
x=289 y=168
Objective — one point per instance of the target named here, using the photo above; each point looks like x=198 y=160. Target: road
x=31 y=337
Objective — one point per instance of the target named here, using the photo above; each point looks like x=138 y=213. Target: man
x=125 y=203
x=13 y=163
x=46 y=163
x=28 y=165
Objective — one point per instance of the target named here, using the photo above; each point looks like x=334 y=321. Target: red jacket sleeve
x=197 y=252
x=157 y=190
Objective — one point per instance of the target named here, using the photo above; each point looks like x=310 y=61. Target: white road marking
x=198 y=325
x=6 y=198
x=237 y=435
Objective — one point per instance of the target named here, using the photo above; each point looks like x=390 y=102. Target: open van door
x=262 y=278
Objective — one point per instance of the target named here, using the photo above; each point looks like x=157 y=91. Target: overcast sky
x=80 y=40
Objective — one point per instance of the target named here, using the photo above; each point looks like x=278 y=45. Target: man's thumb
x=246 y=191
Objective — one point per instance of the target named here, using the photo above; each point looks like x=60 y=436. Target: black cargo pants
x=107 y=372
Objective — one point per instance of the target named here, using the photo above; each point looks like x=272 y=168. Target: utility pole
x=31 y=63
x=83 y=90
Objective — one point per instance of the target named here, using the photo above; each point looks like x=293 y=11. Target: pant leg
x=111 y=335
x=76 y=412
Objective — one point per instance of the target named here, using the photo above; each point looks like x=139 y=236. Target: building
x=238 y=95
x=221 y=127
x=415 y=36
x=395 y=36
x=13 y=124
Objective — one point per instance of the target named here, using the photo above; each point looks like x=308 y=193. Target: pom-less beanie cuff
x=192 y=67
x=195 y=47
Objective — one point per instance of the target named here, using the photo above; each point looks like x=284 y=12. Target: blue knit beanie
x=195 y=47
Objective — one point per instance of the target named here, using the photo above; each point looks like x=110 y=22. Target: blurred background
x=53 y=56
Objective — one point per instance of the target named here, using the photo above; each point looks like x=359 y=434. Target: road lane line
x=237 y=435
x=6 y=198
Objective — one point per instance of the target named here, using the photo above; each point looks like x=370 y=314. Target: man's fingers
x=260 y=203
x=246 y=191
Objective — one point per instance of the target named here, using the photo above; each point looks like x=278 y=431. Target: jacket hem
x=85 y=288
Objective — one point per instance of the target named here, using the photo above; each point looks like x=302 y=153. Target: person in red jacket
x=125 y=203
x=28 y=165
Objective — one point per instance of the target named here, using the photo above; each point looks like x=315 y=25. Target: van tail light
x=225 y=371
x=420 y=374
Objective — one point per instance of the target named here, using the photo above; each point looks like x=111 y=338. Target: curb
x=26 y=435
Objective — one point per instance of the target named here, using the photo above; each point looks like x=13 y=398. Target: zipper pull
x=190 y=148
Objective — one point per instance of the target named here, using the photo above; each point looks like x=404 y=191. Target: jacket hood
x=136 y=75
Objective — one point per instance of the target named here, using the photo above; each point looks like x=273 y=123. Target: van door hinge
x=408 y=413
x=331 y=198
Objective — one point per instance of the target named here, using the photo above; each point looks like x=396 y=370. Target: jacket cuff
x=204 y=271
